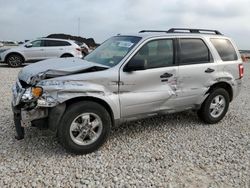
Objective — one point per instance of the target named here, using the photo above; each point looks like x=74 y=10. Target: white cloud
x=25 y=19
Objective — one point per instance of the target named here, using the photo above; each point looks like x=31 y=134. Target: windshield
x=113 y=50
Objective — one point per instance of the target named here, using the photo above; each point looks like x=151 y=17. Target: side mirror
x=134 y=65
x=29 y=45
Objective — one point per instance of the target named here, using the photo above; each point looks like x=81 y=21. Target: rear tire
x=215 y=106
x=84 y=127
x=14 y=60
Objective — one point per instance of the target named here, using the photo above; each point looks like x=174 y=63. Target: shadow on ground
x=45 y=140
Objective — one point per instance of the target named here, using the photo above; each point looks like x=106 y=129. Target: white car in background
x=39 y=49
x=9 y=43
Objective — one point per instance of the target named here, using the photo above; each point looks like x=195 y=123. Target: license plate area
x=28 y=116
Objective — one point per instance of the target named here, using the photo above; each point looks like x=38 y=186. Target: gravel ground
x=168 y=151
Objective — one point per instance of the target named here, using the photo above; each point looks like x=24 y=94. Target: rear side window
x=57 y=43
x=193 y=51
x=225 y=49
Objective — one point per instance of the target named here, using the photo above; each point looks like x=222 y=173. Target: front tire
x=14 y=60
x=215 y=106
x=84 y=127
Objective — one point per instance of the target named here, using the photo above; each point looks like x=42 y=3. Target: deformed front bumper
x=17 y=92
x=27 y=114
x=22 y=116
x=17 y=122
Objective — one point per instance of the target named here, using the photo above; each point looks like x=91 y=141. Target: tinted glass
x=225 y=49
x=113 y=50
x=157 y=53
x=193 y=51
x=57 y=43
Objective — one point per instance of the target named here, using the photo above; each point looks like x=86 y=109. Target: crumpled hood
x=52 y=68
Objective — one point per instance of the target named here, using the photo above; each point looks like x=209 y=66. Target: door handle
x=209 y=70
x=166 y=75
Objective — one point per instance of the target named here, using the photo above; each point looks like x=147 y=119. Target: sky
x=101 y=19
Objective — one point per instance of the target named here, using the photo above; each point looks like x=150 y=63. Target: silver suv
x=128 y=77
x=39 y=49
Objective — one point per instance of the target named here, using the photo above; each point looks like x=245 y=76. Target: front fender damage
x=51 y=105
x=56 y=92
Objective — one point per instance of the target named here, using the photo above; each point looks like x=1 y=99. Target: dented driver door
x=149 y=90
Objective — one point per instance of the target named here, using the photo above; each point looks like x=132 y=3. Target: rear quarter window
x=225 y=49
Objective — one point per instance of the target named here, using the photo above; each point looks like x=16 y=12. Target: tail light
x=241 y=70
x=78 y=49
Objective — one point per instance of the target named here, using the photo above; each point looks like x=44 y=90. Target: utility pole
x=79 y=26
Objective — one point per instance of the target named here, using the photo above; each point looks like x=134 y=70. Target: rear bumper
x=237 y=88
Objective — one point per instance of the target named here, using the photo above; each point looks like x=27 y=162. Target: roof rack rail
x=184 y=30
x=152 y=31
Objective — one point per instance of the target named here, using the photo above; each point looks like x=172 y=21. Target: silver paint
x=132 y=95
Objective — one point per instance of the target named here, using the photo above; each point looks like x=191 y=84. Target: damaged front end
x=38 y=98
x=24 y=106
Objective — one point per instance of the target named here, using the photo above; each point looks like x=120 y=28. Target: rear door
x=197 y=70
x=55 y=48
x=150 y=90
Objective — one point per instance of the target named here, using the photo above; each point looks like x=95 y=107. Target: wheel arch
x=57 y=112
x=14 y=53
x=94 y=99
x=223 y=85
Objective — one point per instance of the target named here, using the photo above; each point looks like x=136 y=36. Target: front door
x=36 y=51
x=149 y=90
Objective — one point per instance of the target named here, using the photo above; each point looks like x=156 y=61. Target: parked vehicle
x=128 y=77
x=245 y=55
x=9 y=43
x=84 y=48
x=39 y=49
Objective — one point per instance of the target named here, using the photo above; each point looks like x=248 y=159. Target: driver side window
x=37 y=43
x=156 y=54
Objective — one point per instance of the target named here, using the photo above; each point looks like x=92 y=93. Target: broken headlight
x=32 y=93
